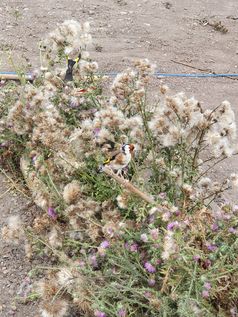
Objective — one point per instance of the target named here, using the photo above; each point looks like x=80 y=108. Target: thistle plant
x=144 y=244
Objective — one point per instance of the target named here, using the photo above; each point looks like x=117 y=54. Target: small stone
x=13 y=307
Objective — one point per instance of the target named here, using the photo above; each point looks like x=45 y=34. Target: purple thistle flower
x=28 y=106
x=186 y=222
x=121 y=312
x=207 y=286
x=99 y=313
x=147 y=294
x=233 y=312
x=144 y=237
x=110 y=232
x=158 y=261
x=52 y=213
x=219 y=215
x=196 y=258
x=151 y=219
x=166 y=216
x=235 y=208
x=211 y=247
x=81 y=264
x=232 y=230
x=172 y=225
x=34 y=159
x=2 y=83
x=105 y=244
x=154 y=234
x=151 y=282
x=149 y=267
x=93 y=261
x=162 y=195
x=96 y=132
x=134 y=247
x=5 y=144
x=205 y=294
x=227 y=216
x=207 y=263
x=214 y=227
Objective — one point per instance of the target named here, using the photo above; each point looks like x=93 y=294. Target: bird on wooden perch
x=120 y=160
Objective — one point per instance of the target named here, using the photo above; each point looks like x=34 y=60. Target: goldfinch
x=120 y=159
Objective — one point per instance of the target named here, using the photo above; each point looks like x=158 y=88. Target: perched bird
x=121 y=159
x=69 y=71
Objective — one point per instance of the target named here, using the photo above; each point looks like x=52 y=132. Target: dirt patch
x=164 y=32
x=15 y=282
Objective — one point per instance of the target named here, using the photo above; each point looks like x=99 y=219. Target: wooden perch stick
x=125 y=183
x=14 y=76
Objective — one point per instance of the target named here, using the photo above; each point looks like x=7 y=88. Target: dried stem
x=14 y=184
x=165 y=280
x=191 y=66
x=125 y=183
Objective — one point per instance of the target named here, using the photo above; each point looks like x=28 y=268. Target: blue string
x=13 y=73
x=195 y=75
x=157 y=74
x=199 y=75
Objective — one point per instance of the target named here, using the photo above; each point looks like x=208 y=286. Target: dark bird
x=69 y=71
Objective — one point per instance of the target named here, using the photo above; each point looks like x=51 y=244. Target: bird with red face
x=120 y=159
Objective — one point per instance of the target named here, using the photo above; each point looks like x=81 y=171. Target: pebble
x=13 y=307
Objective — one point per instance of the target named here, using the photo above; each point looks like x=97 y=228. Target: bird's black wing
x=69 y=71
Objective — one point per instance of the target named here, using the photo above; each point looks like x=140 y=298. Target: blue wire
x=195 y=75
x=12 y=73
x=198 y=75
x=157 y=74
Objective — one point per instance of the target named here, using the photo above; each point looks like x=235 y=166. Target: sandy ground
x=14 y=267
x=122 y=30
